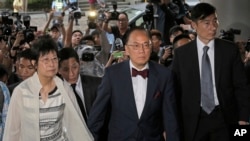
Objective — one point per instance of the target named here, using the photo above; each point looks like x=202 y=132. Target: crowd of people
x=122 y=83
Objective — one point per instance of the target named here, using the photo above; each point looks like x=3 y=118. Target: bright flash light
x=92 y=13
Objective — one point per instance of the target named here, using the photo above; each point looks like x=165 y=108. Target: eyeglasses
x=137 y=46
x=47 y=60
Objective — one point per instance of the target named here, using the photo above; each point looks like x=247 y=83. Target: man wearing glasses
x=120 y=31
x=141 y=96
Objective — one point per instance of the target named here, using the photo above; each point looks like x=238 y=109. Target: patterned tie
x=80 y=103
x=143 y=73
x=207 y=93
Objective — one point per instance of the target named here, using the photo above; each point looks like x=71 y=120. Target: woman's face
x=47 y=65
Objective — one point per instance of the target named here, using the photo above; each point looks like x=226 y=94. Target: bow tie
x=143 y=73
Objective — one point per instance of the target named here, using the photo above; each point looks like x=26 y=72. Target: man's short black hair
x=88 y=38
x=174 y=29
x=124 y=13
x=27 y=54
x=67 y=53
x=201 y=11
x=179 y=37
x=77 y=31
x=43 y=46
x=95 y=32
x=157 y=33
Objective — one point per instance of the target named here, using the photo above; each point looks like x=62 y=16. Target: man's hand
x=243 y=123
x=167 y=53
x=247 y=57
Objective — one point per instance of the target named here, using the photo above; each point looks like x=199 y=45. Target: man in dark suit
x=85 y=87
x=211 y=83
x=141 y=96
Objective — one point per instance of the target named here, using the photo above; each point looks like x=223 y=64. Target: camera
x=6 y=23
x=75 y=10
x=229 y=34
x=85 y=52
x=87 y=57
x=114 y=15
x=26 y=20
x=29 y=35
x=77 y=15
x=149 y=13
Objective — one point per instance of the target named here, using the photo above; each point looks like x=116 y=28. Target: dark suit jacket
x=124 y=125
x=89 y=86
x=230 y=80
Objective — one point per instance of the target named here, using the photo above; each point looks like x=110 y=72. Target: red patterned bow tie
x=143 y=73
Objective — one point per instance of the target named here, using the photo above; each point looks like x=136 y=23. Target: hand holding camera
x=167 y=53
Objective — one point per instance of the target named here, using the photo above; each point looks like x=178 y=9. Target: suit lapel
x=128 y=89
x=218 y=57
x=151 y=87
x=194 y=65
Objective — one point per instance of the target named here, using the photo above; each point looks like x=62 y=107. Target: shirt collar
x=132 y=66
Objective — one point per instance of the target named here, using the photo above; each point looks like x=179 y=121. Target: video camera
x=7 y=22
x=27 y=30
x=114 y=15
x=149 y=13
x=76 y=12
x=229 y=34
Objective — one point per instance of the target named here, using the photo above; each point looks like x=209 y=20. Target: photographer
x=4 y=56
x=57 y=30
x=73 y=5
x=101 y=42
x=120 y=31
x=72 y=39
x=19 y=45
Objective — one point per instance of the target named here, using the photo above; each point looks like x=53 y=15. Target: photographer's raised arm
x=16 y=44
x=68 y=35
x=48 y=22
x=105 y=25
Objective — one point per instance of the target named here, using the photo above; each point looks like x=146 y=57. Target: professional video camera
x=149 y=13
x=148 y=17
x=229 y=34
x=75 y=10
x=114 y=15
x=7 y=22
x=89 y=65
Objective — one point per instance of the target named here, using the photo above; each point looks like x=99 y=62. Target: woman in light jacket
x=42 y=107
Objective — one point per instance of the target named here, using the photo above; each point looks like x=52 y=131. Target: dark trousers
x=212 y=127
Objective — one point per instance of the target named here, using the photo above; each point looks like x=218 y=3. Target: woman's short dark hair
x=44 y=45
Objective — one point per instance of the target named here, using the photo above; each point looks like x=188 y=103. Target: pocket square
x=157 y=94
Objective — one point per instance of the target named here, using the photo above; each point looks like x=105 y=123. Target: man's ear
x=194 y=25
x=126 y=50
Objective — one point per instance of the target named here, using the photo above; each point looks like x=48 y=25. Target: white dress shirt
x=139 y=88
x=210 y=53
x=79 y=90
